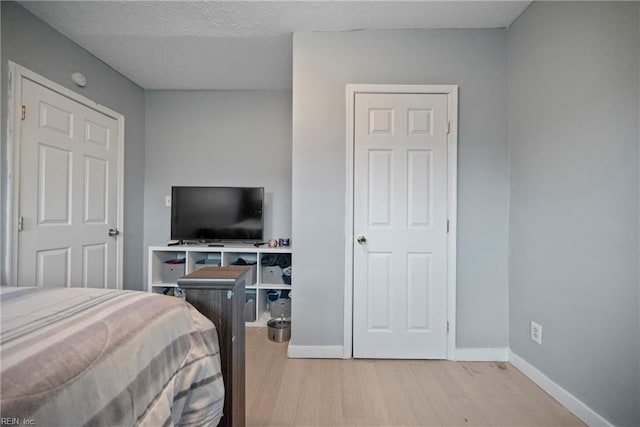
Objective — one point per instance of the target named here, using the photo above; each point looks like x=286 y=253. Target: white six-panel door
x=68 y=192
x=400 y=223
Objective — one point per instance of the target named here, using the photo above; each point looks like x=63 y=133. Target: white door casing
x=68 y=195
x=403 y=203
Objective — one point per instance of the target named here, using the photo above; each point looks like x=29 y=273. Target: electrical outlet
x=536 y=332
x=167 y=201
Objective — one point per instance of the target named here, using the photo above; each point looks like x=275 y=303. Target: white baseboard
x=568 y=400
x=499 y=354
x=315 y=351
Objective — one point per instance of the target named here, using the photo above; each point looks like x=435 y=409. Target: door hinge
x=447 y=326
x=447 y=226
x=24 y=111
x=20 y=223
x=448 y=126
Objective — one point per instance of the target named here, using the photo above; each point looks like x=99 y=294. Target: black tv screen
x=217 y=213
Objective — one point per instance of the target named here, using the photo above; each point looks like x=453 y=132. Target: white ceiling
x=238 y=44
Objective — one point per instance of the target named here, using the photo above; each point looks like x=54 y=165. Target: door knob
x=113 y=232
x=361 y=239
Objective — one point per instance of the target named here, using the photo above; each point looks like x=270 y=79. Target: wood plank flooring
x=358 y=392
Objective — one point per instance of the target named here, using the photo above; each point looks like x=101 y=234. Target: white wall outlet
x=536 y=332
x=167 y=201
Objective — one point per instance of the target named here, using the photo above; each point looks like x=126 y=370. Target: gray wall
x=323 y=63
x=573 y=256
x=233 y=138
x=30 y=42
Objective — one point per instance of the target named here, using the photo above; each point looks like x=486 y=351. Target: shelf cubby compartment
x=170 y=290
x=275 y=270
x=251 y=306
x=243 y=259
x=164 y=272
x=160 y=289
x=263 y=309
x=198 y=260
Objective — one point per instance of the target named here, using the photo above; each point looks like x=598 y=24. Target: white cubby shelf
x=162 y=275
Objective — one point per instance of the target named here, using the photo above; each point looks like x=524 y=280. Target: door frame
x=452 y=197
x=16 y=74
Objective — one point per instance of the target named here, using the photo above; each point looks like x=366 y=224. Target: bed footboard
x=218 y=293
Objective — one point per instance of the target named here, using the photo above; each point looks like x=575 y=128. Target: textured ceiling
x=238 y=44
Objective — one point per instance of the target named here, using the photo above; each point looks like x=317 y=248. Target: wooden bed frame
x=218 y=293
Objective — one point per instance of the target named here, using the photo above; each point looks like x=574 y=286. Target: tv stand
x=192 y=243
x=163 y=275
x=188 y=243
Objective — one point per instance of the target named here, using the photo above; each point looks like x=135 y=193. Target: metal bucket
x=279 y=330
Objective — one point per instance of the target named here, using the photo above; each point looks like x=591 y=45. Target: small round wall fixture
x=79 y=79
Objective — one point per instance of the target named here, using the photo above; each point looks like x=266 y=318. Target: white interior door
x=400 y=223
x=68 y=189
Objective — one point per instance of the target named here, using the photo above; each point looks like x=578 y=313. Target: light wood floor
x=329 y=392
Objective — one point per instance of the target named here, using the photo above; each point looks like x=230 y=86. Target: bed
x=77 y=356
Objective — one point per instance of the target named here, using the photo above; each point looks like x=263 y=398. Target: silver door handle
x=361 y=239
x=113 y=232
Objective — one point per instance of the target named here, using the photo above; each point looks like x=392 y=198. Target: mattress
x=76 y=356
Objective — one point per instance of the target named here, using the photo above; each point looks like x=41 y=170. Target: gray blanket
x=72 y=357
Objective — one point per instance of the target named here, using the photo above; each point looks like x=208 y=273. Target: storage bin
x=251 y=275
x=280 y=308
x=172 y=272
x=272 y=274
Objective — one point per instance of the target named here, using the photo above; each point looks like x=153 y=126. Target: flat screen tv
x=206 y=214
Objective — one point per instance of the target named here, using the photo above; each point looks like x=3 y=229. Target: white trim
x=16 y=74
x=315 y=351
x=348 y=228
x=452 y=194
x=568 y=400
x=13 y=133
x=499 y=354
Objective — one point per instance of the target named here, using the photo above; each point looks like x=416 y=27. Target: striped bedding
x=99 y=357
